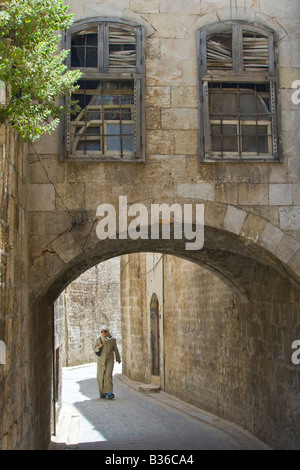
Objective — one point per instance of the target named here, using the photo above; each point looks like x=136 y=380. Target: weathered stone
x=186 y=143
x=270 y=237
x=161 y=95
x=66 y=247
x=41 y=197
x=253 y=227
x=290 y=218
x=234 y=219
x=253 y=194
x=179 y=118
x=196 y=191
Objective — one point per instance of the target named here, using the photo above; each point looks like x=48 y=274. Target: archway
x=267 y=292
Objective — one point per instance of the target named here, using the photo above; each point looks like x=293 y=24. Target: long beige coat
x=105 y=364
x=108 y=351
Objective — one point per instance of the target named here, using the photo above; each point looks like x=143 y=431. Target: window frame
x=104 y=72
x=237 y=76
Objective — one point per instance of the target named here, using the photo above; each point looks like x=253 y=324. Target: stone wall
x=86 y=304
x=135 y=362
x=15 y=373
x=230 y=358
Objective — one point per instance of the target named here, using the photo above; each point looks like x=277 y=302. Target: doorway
x=154 y=328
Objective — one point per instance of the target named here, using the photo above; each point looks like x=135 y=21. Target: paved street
x=137 y=421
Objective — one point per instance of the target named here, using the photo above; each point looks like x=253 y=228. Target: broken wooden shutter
x=255 y=52
x=219 y=51
x=122 y=47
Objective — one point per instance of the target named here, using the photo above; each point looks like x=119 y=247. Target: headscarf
x=106 y=338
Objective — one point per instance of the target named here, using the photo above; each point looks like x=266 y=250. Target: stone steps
x=153 y=387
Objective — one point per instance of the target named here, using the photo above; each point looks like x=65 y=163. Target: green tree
x=32 y=66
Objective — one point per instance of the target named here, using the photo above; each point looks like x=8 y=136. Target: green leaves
x=32 y=66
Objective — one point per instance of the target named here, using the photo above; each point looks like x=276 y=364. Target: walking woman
x=105 y=362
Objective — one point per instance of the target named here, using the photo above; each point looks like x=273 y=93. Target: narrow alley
x=137 y=421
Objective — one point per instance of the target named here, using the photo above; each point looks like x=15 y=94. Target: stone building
x=187 y=103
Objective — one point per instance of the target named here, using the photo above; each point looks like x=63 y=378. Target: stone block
x=287 y=75
x=294 y=169
x=266 y=212
x=153 y=48
x=296 y=194
x=286 y=98
x=163 y=72
x=204 y=191
x=268 y=173
x=290 y=218
x=280 y=9
x=253 y=194
x=174 y=49
x=96 y=194
x=41 y=197
x=45 y=143
x=270 y=237
x=161 y=164
x=184 y=97
x=290 y=142
x=280 y=194
x=226 y=193
x=253 y=227
x=160 y=142
x=192 y=7
x=234 y=219
x=180 y=118
x=294 y=262
x=189 y=72
x=66 y=247
x=153 y=118
x=144 y=6
x=290 y=118
x=163 y=24
x=214 y=214
x=49 y=223
x=49 y=166
x=287 y=248
x=158 y=97
x=69 y=196
x=186 y=142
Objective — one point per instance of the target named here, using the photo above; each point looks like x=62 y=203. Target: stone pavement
x=137 y=421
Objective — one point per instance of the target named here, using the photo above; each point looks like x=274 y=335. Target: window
x=238 y=97
x=110 y=122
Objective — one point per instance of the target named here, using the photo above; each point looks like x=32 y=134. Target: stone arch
x=255 y=258
x=234 y=242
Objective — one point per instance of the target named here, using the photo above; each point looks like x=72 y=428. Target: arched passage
x=267 y=294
